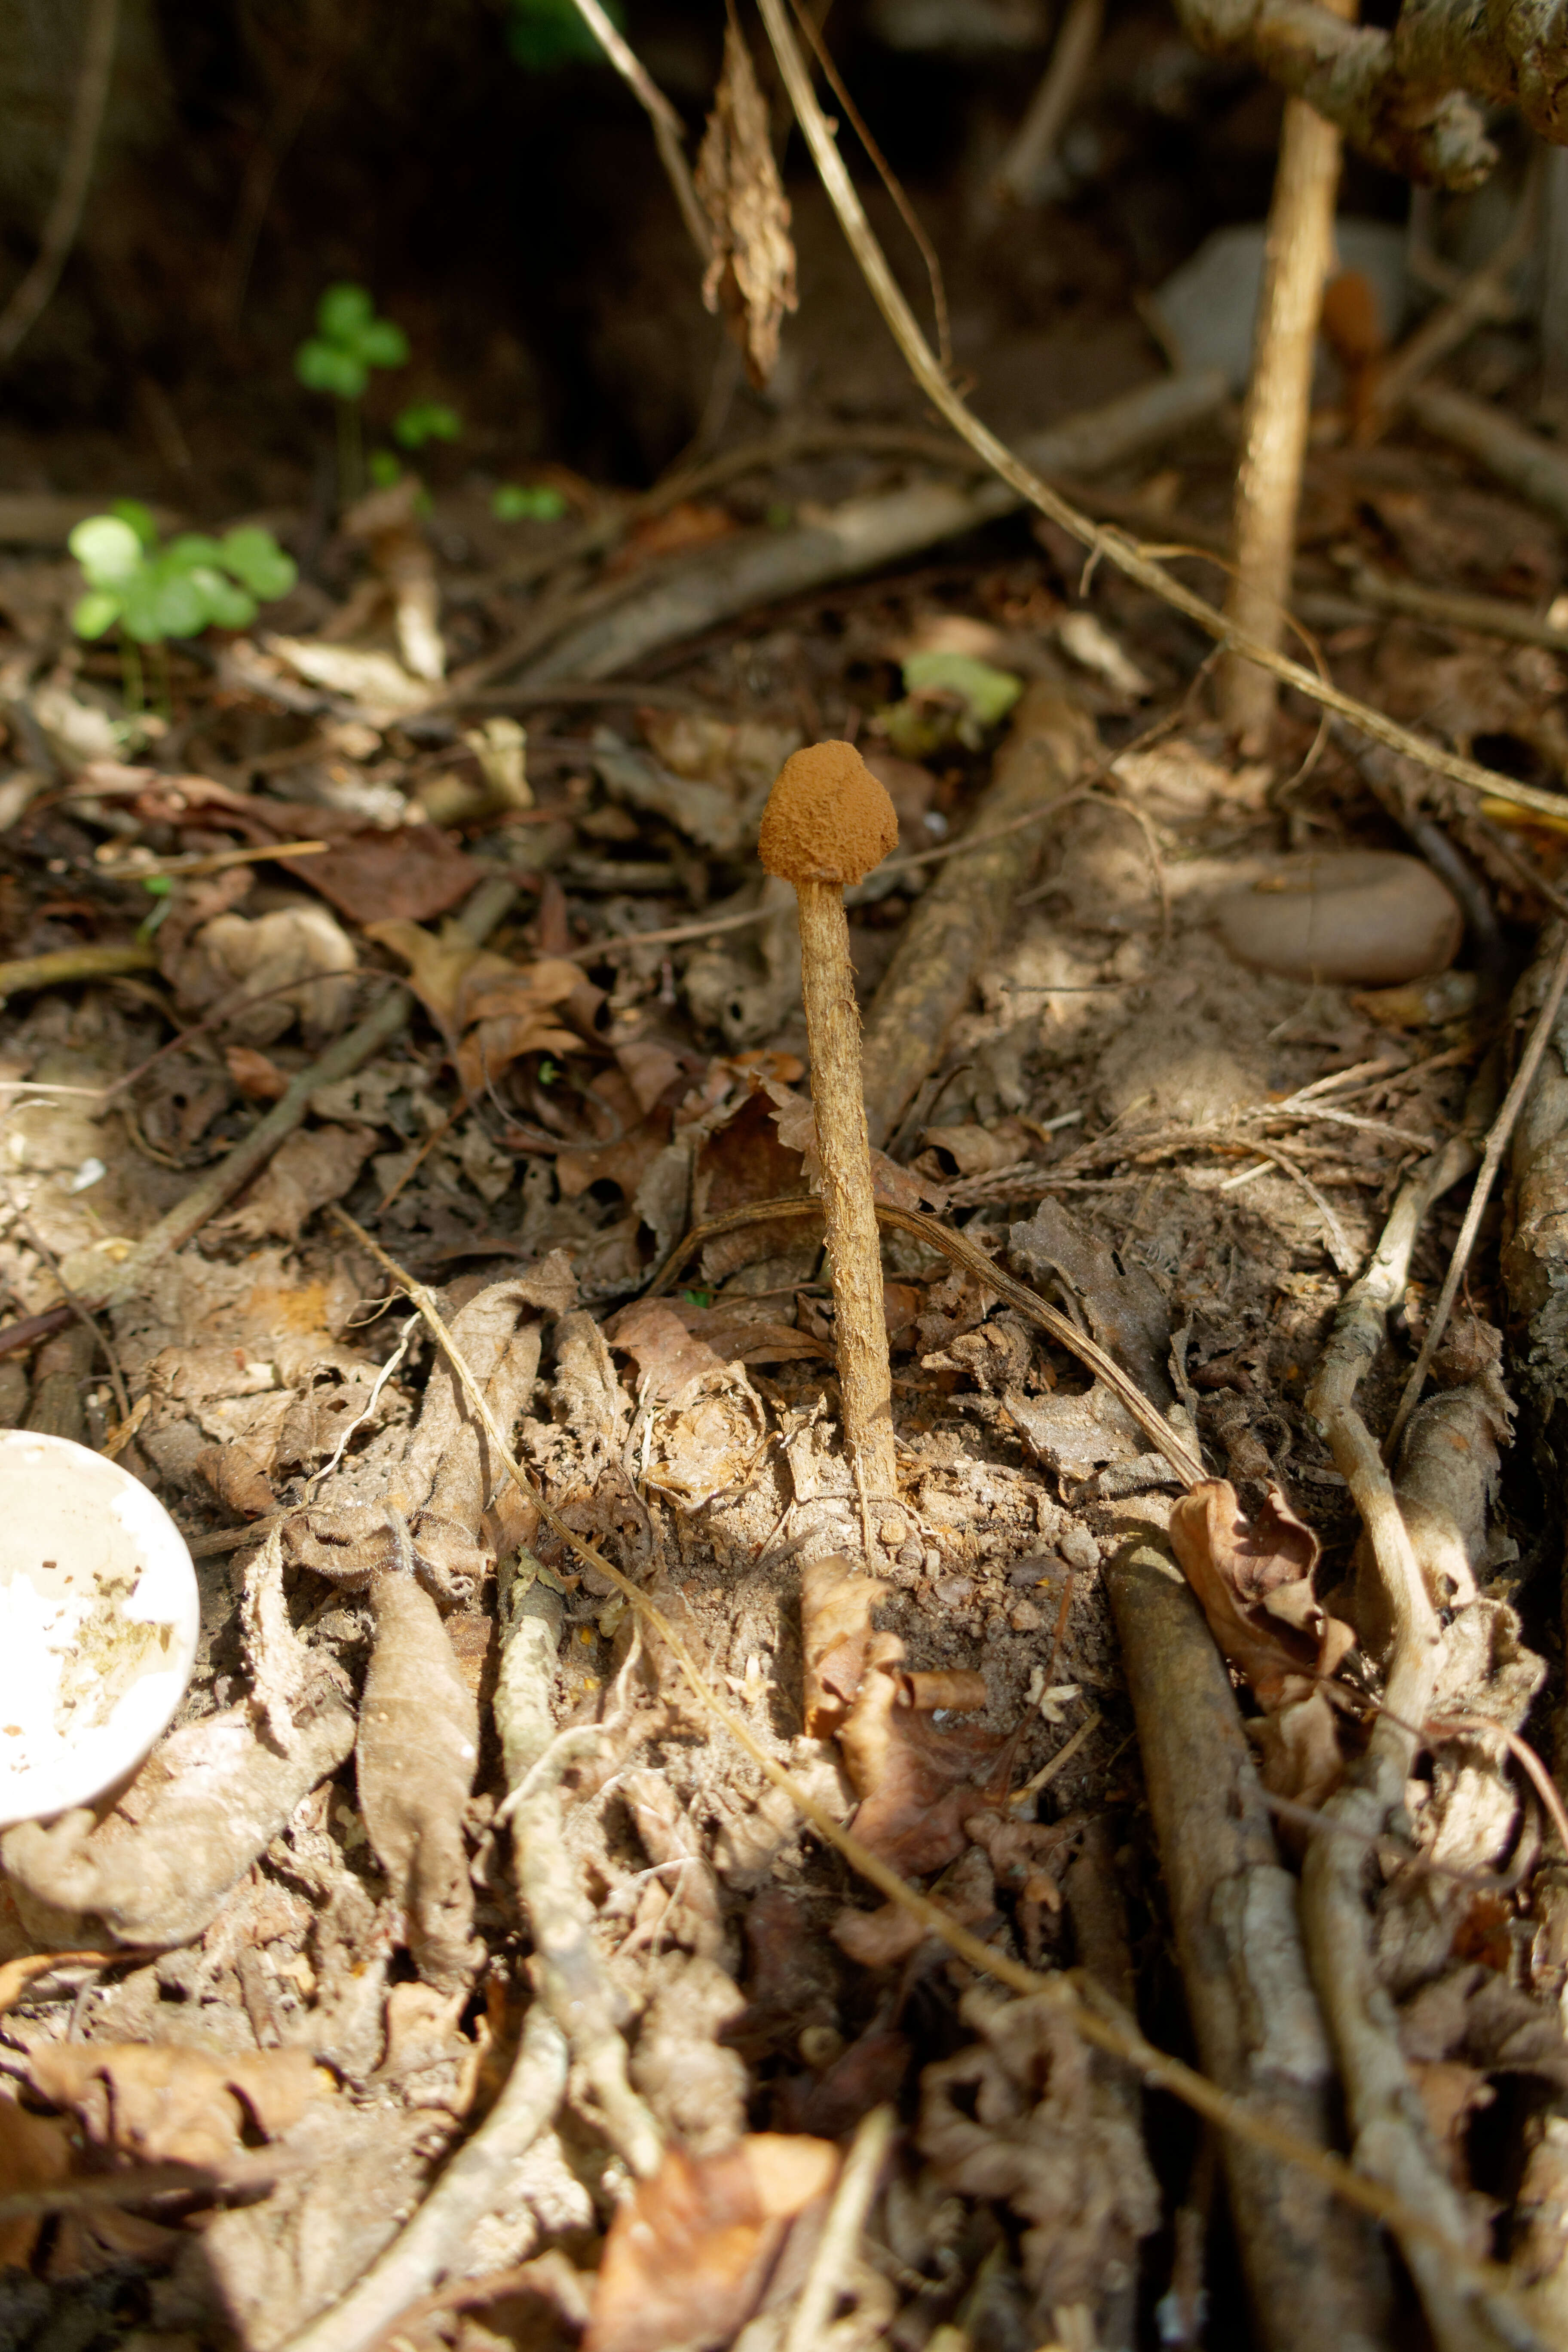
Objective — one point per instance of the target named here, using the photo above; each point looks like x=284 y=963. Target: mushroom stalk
x=854 y=1244
x=1297 y=260
x=828 y=822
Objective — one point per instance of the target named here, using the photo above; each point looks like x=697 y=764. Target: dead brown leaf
x=305 y=1172
x=690 y=523
x=664 y=1352
x=751 y=272
x=34 y=2153
x=1254 y=1581
x=1023 y=2116
x=835 y=1604
x=411 y=875
x=240 y=957
x=689 y=2252
x=254 y=1073
x=172 y=2106
x=416 y=1758
x=489 y=1010
x=918 y=1785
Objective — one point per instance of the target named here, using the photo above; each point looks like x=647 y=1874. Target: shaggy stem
x=1279 y=407
x=833 y=1028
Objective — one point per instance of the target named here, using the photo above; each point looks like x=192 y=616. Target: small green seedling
x=427 y=420
x=528 y=502
x=349 y=339
x=151 y=593
x=948 y=697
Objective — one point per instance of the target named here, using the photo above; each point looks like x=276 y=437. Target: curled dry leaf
x=490 y=1009
x=247 y=957
x=1254 y=1579
x=305 y=1172
x=416 y=1757
x=200 y=1810
x=34 y=2153
x=689 y=2252
x=917 y=1785
x=835 y=1605
x=751 y=272
x=174 y=2106
x=1023 y=2116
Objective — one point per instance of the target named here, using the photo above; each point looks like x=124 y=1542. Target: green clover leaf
x=107 y=549
x=428 y=420
x=255 y=557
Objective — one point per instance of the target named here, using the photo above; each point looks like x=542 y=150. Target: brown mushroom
x=828 y=822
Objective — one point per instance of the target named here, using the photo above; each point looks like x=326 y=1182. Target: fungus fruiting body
x=827 y=823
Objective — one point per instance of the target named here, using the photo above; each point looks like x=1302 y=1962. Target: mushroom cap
x=828 y=818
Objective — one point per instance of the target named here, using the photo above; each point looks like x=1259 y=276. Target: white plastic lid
x=99 y=1617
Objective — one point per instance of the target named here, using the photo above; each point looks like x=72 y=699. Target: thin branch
x=1128 y=555
x=891 y=181
x=1497 y=1144
x=1021 y=175
x=668 y=131
x=31 y=297
x=835 y=2249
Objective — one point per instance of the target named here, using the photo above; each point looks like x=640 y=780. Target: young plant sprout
x=828 y=822
x=421 y=421
x=427 y=420
x=349 y=339
x=151 y=593
x=527 y=502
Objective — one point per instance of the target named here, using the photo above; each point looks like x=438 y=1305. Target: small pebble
x=932 y=1559
x=911 y=1555
x=954 y=1590
x=1025 y=1618
x=1079 y=1548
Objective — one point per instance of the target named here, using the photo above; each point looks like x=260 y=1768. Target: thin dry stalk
x=1391 y=2139
x=1128 y=555
x=1483 y=296
x=1279 y=407
x=31 y=297
x=1023 y=175
x=835 y=2249
x=668 y=128
x=470 y=2187
x=1498 y=1139
x=1093 y=2013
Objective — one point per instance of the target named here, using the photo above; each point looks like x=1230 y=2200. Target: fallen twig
x=61 y=966
x=1098 y=2017
x=31 y=299
x=620 y=622
x=835 y=2251
x=1313 y=2277
x=1499 y=1137
x=1128 y=555
x=1391 y=2139
x=468 y=2189
x=1484 y=295
x=1537 y=469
